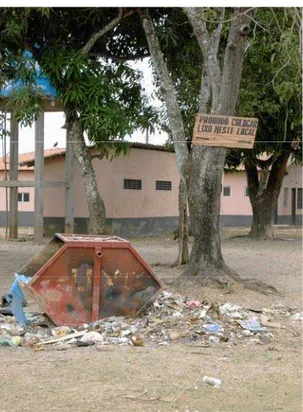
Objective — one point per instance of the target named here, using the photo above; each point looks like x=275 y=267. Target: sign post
x=225 y=131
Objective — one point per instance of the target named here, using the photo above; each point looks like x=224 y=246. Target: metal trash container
x=82 y=278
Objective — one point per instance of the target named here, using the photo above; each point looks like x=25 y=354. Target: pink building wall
x=148 y=166
x=22 y=206
x=292 y=180
x=237 y=203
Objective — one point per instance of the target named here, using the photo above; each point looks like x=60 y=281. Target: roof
x=51 y=153
x=27 y=160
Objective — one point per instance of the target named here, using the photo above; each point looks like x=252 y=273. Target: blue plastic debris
x=15 y=298
x=213 y=328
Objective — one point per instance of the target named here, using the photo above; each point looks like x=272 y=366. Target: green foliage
x=271 y=83
x=271 y=87
x=105 y=94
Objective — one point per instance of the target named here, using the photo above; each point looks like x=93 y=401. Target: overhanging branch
x=96 y=36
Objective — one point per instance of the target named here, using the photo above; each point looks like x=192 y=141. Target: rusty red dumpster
x=82 y=278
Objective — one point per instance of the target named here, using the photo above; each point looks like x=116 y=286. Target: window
x=226 y=191
x=132 y=184
x=246 y=192
x=23 y=197
x=163 y=185
x=299 y=198
x=285 y=197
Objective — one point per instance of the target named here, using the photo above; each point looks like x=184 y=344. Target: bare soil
x=255 y=377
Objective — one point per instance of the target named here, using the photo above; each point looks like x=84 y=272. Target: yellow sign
x=225 y=131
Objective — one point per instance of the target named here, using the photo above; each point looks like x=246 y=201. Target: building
x=140 y=192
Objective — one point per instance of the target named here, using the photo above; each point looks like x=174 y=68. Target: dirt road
x=255 y=377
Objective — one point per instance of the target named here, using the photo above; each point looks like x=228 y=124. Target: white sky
x=54 y=121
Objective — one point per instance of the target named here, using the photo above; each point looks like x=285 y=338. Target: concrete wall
x=139 y=212
x=237 y=204
x=292 y=180
x=22 y=206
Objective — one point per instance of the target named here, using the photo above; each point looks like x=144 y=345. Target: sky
x=53 y=123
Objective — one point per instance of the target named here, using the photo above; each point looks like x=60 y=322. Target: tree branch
x=168 y=92
x=252 y=180
x=125 y=57
x=209 y=47
x=265 y=164
x=233 y=62
x=96 y=36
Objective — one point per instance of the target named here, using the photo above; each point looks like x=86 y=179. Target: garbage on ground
x=297 y=316
x=193 y=304
x=217 y=383
x=252 y=325
x=168 y=320
x=16 y=299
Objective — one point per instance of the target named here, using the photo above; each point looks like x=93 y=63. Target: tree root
x=227 y=279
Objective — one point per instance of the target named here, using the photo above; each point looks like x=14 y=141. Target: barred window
x=226 y=191
x=285 y=197
x=23 y=197
x=163 y=185
x=132 y=184
x=299 y=199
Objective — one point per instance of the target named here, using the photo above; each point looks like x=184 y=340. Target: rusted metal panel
x=87 y=278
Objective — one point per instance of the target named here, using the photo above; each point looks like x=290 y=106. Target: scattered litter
x=252 y=325
x=297 y=316
x=92 y=337
x=137 y=340
x=6 y=341
x=264 y=338
x=212 y=328
x=16 y=299
x=61 y=331
x=193 y=304
x=171 y=318
x=217 y=383
x=214 y=340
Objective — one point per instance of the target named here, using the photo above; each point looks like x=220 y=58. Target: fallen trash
x=16 y=299
x=252 y=325
x=193 y=304
x=212 y=328
x=217 y=383
x=167 y=321
x=297 y=316
x=92 y=337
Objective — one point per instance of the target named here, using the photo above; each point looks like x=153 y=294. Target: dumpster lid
x=68 y=237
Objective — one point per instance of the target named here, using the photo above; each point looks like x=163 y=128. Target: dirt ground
x=255 y=377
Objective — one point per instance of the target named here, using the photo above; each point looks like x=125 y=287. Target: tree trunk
x=262 y=224
x=207 y=163
x=206 y=171
x=183 y=225
x=96 y=206
x=264 y=193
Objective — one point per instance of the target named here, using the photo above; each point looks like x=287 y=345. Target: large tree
x=81 y=52
x=272 y=92
x=201 y=168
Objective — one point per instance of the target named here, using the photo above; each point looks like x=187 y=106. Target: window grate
x=299 y=198
x=132 y=184
x=226 y=191
x=285 y=197
x=163 y=185
x=23 y=197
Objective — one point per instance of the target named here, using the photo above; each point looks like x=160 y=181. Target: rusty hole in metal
x=69 y=307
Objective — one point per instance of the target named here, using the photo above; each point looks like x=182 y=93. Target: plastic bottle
x=217 y=383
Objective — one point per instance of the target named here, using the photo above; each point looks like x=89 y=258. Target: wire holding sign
x=225 y=131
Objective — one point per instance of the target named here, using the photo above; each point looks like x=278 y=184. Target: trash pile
x=170 y=318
